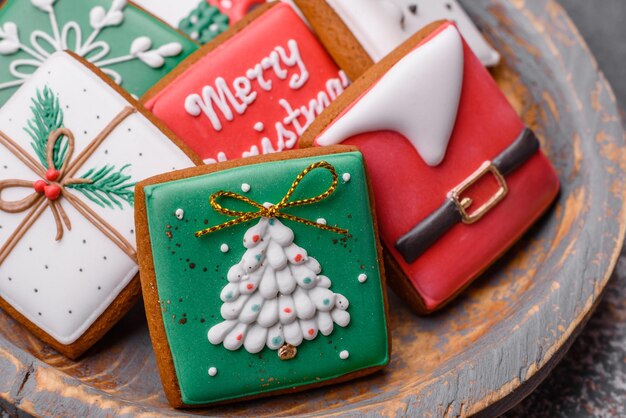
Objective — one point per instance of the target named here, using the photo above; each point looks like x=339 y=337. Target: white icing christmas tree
x=276 y=296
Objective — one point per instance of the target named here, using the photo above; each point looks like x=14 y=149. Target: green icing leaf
x=47 y=117
x=108 y=187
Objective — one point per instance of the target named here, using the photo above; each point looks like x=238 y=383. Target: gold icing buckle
x=463 y=204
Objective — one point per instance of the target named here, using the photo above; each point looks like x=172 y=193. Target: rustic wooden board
x=488 y=349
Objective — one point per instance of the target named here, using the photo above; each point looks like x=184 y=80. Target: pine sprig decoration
x=47 y=117
x=107 y=187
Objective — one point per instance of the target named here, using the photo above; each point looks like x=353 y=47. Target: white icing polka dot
x=362 y=278
x=245 y=187
x=180 y=214
x=212 y=371
x=226 y=4
x=259 y=126
x=224 y=248
x=321 y=221
x=344 y=355
x=214 y=27
x=346 y=177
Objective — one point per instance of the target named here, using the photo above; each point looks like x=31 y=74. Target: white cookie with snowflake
x=381 y=25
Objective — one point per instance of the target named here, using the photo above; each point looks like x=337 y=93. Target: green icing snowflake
x=204 y=23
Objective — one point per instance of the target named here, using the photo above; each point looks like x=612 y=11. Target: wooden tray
x=486 y=351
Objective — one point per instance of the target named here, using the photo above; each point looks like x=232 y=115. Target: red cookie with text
x=254 y=90
x=457 y=177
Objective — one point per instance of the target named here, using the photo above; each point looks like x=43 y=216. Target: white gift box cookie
x=381 y=25
x=72 y=147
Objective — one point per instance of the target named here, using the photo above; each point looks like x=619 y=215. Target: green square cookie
x=263 y=304
x=131 y=46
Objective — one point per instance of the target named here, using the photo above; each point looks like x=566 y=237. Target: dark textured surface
x=591 y=380
x=601 y=22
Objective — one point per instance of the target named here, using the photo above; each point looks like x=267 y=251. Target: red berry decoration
x=298 y=258
x=239 y=337
x=256 y=238
x=287 y=310
x=250 y=286
x=52 y=191
x=40 y=186
x=53 y=174
x=311 y=331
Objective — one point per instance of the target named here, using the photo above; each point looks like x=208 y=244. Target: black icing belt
x=454 y=210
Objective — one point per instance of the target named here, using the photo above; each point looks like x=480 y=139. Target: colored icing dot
x=298 y=258
x=362 y=278
x=321 y=221
x=287 y=310
x=271 y=222
x=344 y=355
x=255 y=308
x=250 y=286
x=239 y=337
x=259 y=126
x=258 y=257
x=326 y=302
x=224 y=248
x=307 y=280
x=245 y=187
x=256 y=238
x=212 y=371
x=180 y=214
x=229 y=295
x=311 y=331
x=346 y=177
x=277 y=340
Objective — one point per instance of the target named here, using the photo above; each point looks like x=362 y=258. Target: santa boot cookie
x=457 y=176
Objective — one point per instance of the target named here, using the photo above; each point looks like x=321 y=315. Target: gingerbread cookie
x=252 y=91
x=262 y=276
x=382 y=25
x=72 y=148
x=126 y=43
x=457 y=176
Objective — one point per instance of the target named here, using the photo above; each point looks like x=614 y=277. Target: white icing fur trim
x=418 y=98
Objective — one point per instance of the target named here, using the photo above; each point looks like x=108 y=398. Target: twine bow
x=53 y=184
x=275 y=211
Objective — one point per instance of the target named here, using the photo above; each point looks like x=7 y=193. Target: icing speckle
x=224 y=248
x=212 y=371
x=344 y=355
x=259 y=126
x=180 y=214
x=346 y=177
x=362 y=278
x=245 y=187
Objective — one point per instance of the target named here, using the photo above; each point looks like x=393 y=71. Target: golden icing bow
x=275 y=211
